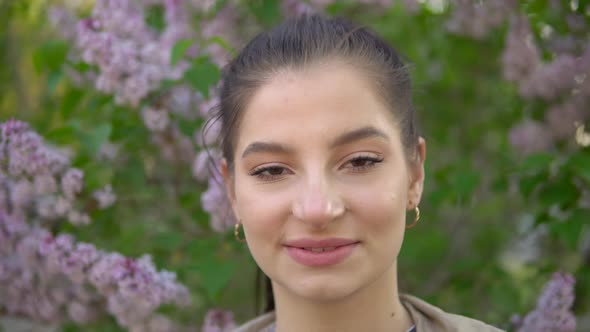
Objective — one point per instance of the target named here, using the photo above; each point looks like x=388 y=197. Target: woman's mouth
x=322 y=252
x=320 y=249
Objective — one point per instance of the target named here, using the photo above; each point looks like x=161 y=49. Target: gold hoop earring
x=237 y=232
x=417 y=210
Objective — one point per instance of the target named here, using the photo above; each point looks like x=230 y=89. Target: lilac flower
x=203 y=5
x=132 y=58
x=562 y=118
x=222 y=25
x=207 y=107
x=201 y=166
x=521 y=55
x=26 y=152
x=12 y=228
x=552 y=313
x=530 y=137
x=208 y=135
x=175 y=146
x=183 y=101
x=296 y=8
x=549 y=80
x=62 y=206
x=108 y=151
x=81 y=312
x=477 y=18
x=155 y=119
x=322 y=3
x=72 y=182
x=45 y=184
x=46 y=207
x=217 y=320
x=26 y=157
x=53 y=277
x=134 y=288
x=21 y=194
x=216 y=203
x=105 y=197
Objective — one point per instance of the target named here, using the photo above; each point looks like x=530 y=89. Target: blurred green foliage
x=478 y=191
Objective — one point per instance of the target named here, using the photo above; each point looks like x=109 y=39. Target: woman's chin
x=322 y=289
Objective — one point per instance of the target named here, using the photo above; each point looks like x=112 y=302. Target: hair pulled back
x=304 y=41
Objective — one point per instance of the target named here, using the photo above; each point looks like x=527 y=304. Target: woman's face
x=319 y=164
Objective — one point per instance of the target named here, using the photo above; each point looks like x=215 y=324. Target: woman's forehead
x=314 y=109
x=325 y=96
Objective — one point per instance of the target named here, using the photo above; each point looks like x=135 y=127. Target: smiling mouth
x=320 y=249
x=321 y=256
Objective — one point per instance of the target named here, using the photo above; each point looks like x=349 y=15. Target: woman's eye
x=359 y=164
x=362 y=163
x=268 y=173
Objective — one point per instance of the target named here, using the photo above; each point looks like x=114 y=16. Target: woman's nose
x=318 y=204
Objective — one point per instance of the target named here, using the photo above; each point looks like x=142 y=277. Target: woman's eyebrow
x=346 y=138
x=359 y=134
x=260 y=147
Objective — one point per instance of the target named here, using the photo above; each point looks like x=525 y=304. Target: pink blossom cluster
x=53 y=278
x=223 y=25
x=477 y=18
x=562 y=82
x=217 y=320
x=300 y=7
x=38 y=181
x=553 y=311
x=132 y=57
x=216 y=203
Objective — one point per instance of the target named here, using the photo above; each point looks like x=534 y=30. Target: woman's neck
x=376 y=307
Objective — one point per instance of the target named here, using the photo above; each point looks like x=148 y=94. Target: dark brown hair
x=297 y=44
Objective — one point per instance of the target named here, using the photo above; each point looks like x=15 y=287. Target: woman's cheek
x=262 y=213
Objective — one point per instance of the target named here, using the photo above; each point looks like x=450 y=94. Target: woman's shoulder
x=262 y=323
x=428 y=317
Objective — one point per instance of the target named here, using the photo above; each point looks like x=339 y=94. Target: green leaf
x=53 y=80
x=579 y=163
x=464 y=182
x=570 y=230
x=167 y=241
x=96 y=176
x=563 y=193
x=536 y=162
x=155 y=17
x=62 y=135
x=215 y=274
x=70 y=101
x=50 y=56
x=221 y=42
x=179 y=50
x=188 y=127
x=528 y=184
x=266 y=11
x=94 y=139
x=202 y=75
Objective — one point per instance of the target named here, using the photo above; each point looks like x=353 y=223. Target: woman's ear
x=417 y=175
x=228 y=181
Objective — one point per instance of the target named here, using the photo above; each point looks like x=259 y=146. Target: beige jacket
x=427 y=318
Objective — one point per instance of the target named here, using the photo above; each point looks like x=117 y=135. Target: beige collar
x=426 y=317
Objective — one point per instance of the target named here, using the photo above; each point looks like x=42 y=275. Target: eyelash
x=374 y=161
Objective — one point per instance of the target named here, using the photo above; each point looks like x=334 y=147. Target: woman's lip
x=319 y=243
x=324 y=258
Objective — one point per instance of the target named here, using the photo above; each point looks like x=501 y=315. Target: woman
x=321 y=161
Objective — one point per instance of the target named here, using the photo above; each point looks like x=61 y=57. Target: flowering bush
x=108 y=159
